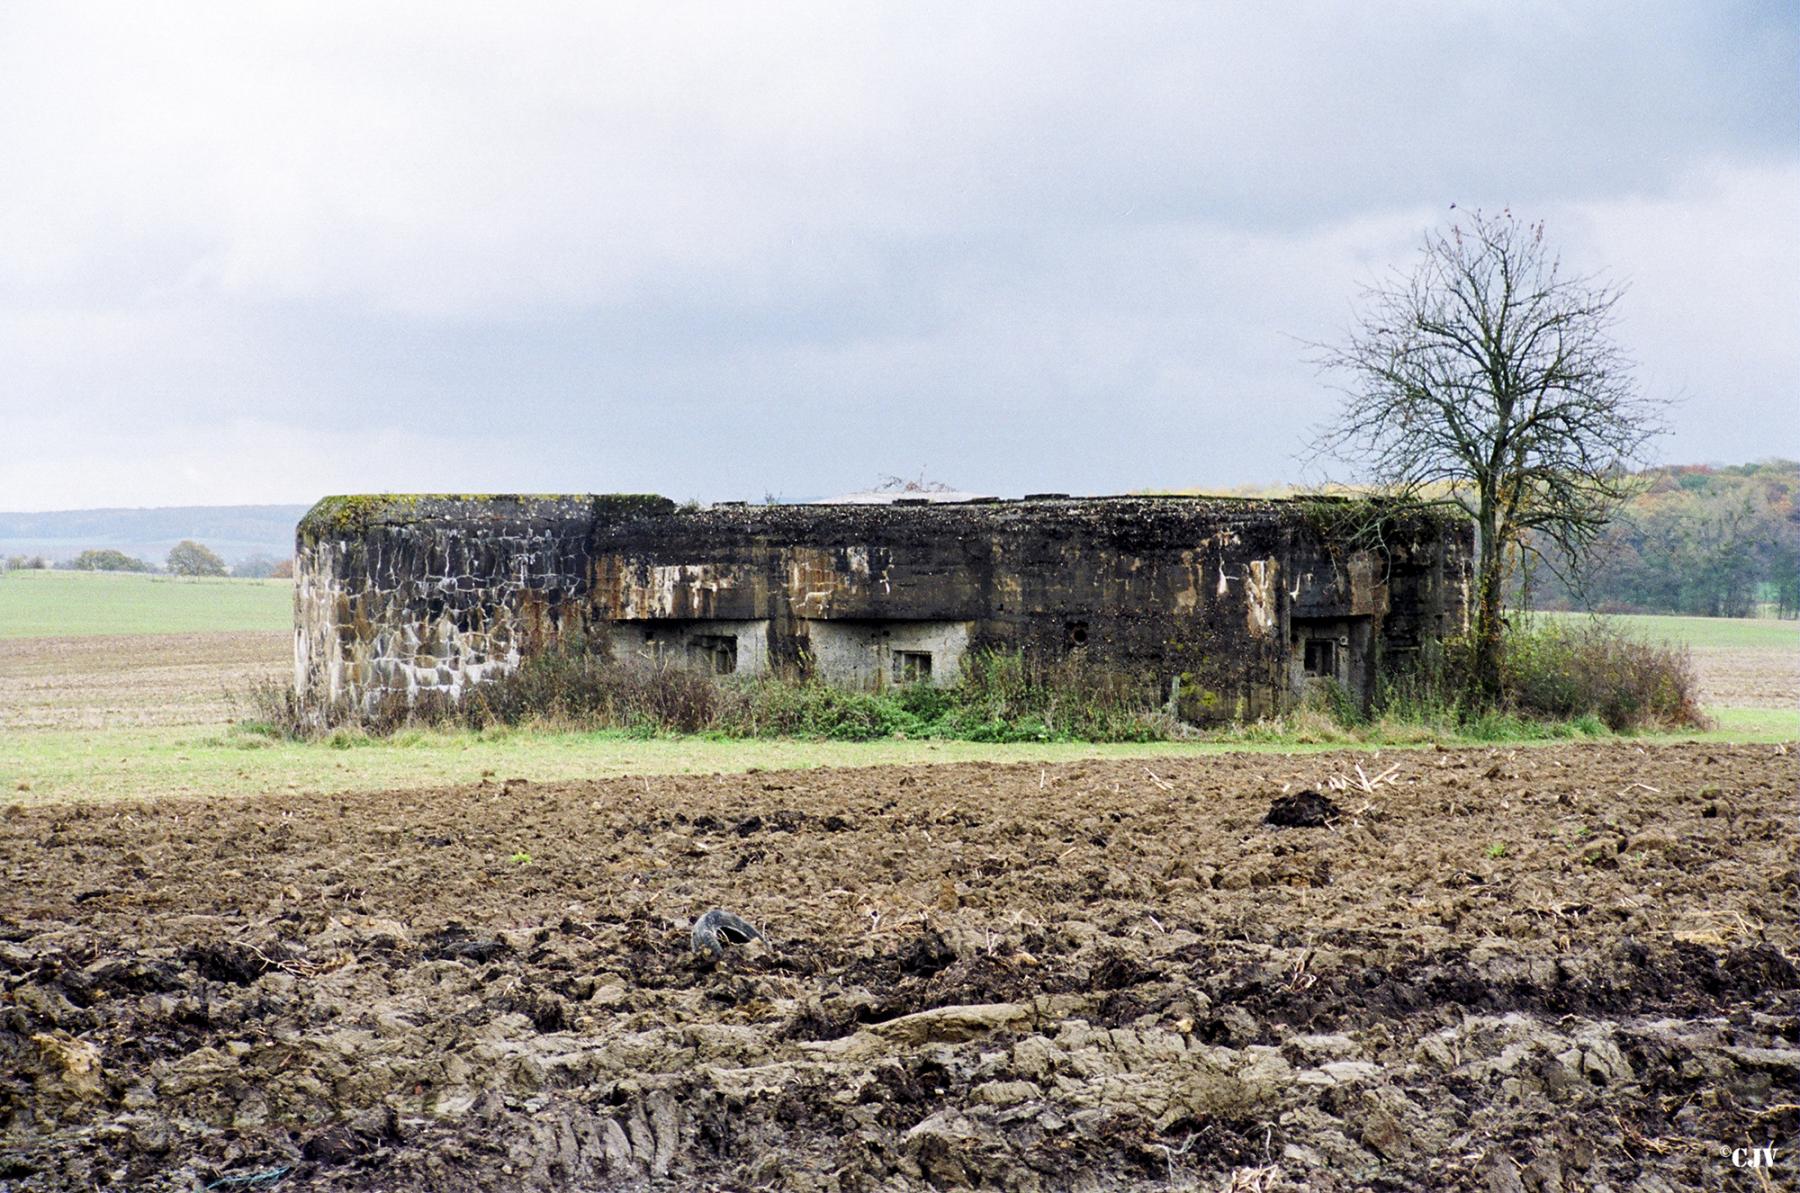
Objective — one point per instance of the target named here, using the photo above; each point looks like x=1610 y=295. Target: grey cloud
x=714 y=251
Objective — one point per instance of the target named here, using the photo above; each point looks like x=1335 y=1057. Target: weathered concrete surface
x=1207 y=602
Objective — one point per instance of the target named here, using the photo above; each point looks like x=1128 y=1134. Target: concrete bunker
x=1333 y=650
x=874 y=654
x=1229 y=608
x=714 y=646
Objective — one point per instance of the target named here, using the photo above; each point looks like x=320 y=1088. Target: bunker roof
x=349 y=517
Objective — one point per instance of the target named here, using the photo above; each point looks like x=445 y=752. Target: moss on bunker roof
x=350 y=515
x=354 y=515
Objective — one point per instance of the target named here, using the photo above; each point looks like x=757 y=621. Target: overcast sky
x=264 y=252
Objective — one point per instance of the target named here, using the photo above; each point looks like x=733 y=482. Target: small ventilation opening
x=912 y=666
x=1321 y=657
x=716 y=653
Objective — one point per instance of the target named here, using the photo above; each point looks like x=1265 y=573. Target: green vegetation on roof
x=351 y=515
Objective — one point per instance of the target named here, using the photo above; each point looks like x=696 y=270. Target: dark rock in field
x=353 y=1139
x=469 y=950
x=121 y=975
x=341 y=1143
x=227 y=961
x=782 y=820
x=1113 y=970
x=336 y=1144
x=546 y=1010
x=1303 y=809
x=457 y=943
x=926 y=955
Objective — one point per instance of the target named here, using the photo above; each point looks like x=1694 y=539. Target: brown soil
x=1531 y=970
x=1748 y=678
x=111 y=682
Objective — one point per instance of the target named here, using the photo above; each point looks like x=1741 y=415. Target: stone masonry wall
x=1207 y=602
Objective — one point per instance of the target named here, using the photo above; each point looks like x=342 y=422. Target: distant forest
x=1705 y=540
x=1712 y=542
x=238 y=533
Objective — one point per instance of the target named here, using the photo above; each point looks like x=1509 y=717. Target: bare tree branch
x=1490 y=380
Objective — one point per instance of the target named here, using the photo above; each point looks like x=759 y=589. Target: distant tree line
x=107 y=560
x=186 y=558
x=1704 y=541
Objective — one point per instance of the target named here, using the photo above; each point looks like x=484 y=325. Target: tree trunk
x=1489 y=584
x=1489 y=628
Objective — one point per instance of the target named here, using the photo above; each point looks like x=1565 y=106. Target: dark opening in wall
x=1321 y=657
x=1075 y=634
x=912 y=666
x=716 y=653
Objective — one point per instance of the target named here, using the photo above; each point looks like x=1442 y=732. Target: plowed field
x=1544 y=969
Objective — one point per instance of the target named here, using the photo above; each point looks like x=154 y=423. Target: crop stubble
x=111 y=682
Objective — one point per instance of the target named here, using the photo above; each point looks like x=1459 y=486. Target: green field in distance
x=49 y=604
x=1722 y=633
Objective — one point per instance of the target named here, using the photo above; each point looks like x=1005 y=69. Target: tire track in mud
x=1494 y=970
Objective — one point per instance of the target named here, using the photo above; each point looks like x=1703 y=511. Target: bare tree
x=1489 y=381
